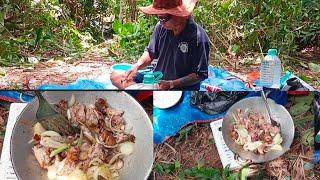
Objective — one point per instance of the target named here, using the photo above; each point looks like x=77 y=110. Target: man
x=179 y=44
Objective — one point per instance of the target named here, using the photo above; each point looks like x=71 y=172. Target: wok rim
x=253 y=160
x=148 y=171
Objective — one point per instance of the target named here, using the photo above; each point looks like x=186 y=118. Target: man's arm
x=143 y=61
x=185 y=81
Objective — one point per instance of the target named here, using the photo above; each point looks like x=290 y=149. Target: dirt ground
x=95 y=64
x=199 y=146
x=55 y=72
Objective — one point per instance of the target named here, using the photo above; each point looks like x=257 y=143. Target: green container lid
x=272 y=52
x=149 y=79
x=152 y=77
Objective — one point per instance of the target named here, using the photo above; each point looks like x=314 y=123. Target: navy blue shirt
x=180 y=55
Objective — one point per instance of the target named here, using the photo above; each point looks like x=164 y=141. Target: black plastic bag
x=215 y=102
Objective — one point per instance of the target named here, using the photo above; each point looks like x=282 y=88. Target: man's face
x=166 y=20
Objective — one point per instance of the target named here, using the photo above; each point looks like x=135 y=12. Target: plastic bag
x=215 y=102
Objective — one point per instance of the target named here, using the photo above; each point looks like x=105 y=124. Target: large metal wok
x=279 y=113
x=138 y=165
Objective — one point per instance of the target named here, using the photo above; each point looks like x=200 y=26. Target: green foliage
x=283 y=24
x=29 y=28
x=200 y=172
x=167 y=168
x=183 y=133
x=37 y=28
x=2 y=133
x=134 y=37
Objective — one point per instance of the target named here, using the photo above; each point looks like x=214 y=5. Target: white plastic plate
x=166 y=99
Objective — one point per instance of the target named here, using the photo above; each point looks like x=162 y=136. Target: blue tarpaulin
x=216 y=77
x=15 y=96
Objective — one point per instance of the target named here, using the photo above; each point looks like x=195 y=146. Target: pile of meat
x=252 y=131
x=97 y=152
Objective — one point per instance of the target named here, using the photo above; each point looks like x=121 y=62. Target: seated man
x=180 y=45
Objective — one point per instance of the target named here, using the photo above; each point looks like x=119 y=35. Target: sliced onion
x=91 y=171
x=126 y=148
x=118 y=165
x=50 y=134
x=235 y=118
x=95 y=162
x=102 y=171
x=38 y=129
x=72 y=101
x=240 y=140
x=243 y=132
x=77 y=175
x=276 y=147
x=68 y=114
x=251 y=146
x=277 y=139
x=52 y=172
x=88 y=135
x=48 y=142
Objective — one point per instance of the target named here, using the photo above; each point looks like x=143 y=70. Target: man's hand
x=143 y=61
x=164 y=85
x=130 y=74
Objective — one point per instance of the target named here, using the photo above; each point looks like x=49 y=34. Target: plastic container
x=121 y=67
x=270 y=70
x=317 y=138
x=150 y=82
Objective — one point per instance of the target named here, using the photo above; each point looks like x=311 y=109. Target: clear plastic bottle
x=317 y=138
x=270 y=70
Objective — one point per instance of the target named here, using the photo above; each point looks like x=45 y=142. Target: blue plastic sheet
x=222 y=78
x=168 y=122
x=16 y=96
x=316 y=157
x=82 y=84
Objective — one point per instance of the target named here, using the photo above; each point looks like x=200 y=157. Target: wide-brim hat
x=174 y=7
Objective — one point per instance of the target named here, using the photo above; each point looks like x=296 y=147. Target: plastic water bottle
x=270 y=70
x=317 y=138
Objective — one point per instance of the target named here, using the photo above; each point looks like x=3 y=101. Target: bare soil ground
x=95 y=63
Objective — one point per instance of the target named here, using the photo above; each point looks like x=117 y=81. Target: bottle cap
x=273 y=52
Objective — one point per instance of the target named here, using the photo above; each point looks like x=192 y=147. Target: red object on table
x=143 y=95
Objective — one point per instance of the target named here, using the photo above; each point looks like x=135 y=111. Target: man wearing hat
x=180 y=45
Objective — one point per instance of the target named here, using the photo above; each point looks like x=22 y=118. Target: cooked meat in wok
x=96 y=153
x=252 y=131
